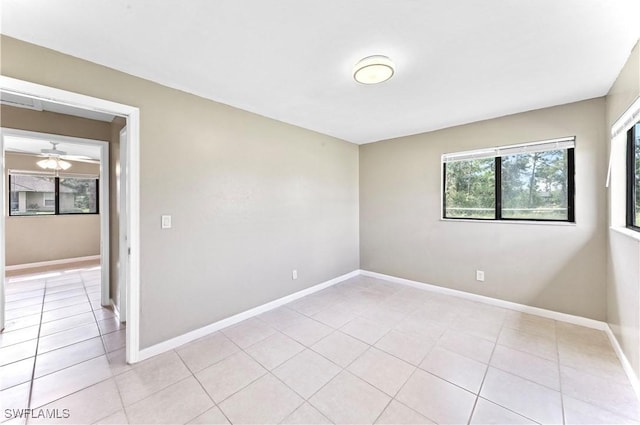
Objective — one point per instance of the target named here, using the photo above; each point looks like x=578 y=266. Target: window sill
x=511 y=222
x=626 y=231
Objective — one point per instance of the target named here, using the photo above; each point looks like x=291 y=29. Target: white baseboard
x=631 y=374
x=52 y=263
x=562 y=317
x=172 y=343
x=116 y=311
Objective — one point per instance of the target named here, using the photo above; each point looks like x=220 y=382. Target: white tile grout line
x=335 y=330
x=35 y=354
x=224 y=323
x=179 y=340
x=564 y=417
x=370 y=346
x=561 y=317
x=35 y=361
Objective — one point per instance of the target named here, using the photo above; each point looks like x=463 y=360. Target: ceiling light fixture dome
x=373 y=70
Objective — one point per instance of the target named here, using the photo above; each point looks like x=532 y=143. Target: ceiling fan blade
x=18 y=150
x=75 y=157
x=82 y=159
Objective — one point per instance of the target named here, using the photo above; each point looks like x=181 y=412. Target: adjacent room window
x=78 y=195
x=32 y=194
x=522 y=182
x=38 y=194
x=633 y=177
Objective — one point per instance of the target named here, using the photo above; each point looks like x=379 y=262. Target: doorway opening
x=127 y=200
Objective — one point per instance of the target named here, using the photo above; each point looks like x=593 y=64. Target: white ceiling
x=32 y=145
x=457 y=61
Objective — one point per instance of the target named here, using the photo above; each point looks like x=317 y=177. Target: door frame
x=132 y=115
x=122 y=211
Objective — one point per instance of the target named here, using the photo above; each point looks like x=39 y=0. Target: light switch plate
x=166 y=222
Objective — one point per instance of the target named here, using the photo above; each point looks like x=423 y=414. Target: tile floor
x=58 y=339
x=362 y=351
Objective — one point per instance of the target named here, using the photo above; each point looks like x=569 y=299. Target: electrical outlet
x=294 y=274
x=479 y=275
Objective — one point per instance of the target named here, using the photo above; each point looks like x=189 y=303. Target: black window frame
x=57 y=198
x=632 y=137
x=571 y=190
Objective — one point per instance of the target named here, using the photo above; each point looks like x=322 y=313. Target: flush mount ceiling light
x=373 y=70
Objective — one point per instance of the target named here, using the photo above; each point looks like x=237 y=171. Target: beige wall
x=53 y=123
x=30 y=239
x=623 y=271
x=557 y=267
x=251 y=198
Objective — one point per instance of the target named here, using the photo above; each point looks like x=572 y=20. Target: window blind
x=52 y=174
x=543 y=146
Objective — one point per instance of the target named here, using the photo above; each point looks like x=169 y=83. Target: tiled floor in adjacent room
x=363 y=351
x=57 y=339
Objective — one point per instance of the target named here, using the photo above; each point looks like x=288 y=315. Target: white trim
x=64 y=97
x=214 y=327
x=51 y=173
x=115 y=309
x=51 y=262
x=633 y=234
x=563 y=317
x=123 y=230
x=627 y=119
x=631 y=374
x=103 y=197
x=531 y=147
x=25 y=88
x=2 y=232
x=133 y=219
x=510 y=222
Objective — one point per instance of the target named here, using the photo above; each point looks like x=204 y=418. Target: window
x=633 y=177
x=40 y=194
x=522 y=182
x=78 y=195
x=470 y=189
x=30 y=193
x=50 y=200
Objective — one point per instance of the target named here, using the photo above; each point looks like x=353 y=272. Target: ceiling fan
x=57 y=160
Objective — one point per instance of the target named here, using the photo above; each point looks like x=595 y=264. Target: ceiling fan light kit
x=373 y=69
x=53 y=161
